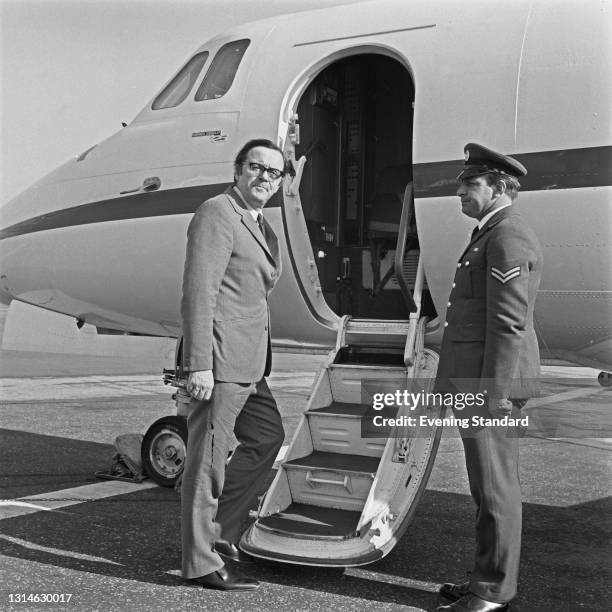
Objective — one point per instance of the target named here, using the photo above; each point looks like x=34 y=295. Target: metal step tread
x=370 y=356
x=341 y=409
x=356 y=324
x=336 y=461
x=371 y=367
x=306 y=520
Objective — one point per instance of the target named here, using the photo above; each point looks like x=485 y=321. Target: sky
x=73 y=70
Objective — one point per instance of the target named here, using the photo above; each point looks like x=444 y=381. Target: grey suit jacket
x=230 y=270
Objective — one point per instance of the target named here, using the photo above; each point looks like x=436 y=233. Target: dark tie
x=474 y=232
x=262 y=227
x=270 y=238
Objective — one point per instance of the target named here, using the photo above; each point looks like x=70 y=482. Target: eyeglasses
x=273 y=173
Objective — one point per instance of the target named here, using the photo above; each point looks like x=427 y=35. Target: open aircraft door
x=348 y=486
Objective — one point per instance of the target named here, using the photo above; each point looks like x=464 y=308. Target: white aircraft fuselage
x=381 y=89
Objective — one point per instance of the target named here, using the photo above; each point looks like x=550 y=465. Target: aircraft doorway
x=356 y=125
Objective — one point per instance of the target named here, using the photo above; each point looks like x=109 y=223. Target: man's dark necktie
x=262 y=228
x=474 y=232
x=268 y=235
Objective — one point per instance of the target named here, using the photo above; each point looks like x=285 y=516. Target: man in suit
x=490 y=347
x=232 y=264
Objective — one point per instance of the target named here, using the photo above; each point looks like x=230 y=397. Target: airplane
x=373 y=103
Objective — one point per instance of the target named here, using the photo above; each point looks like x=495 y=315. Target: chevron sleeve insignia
x=504 y=277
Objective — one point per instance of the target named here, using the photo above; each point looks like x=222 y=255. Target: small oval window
x=222 y=71
x=180 y=86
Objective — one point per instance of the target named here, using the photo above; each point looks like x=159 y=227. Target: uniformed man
x=490 y=346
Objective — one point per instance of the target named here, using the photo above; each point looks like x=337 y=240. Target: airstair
x=347 y=488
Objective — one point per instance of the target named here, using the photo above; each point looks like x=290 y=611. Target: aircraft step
x=303 y=520
x=349 y=382
x=370 y=356
x=338 y=428
x=340 y=409
x=376 y=331
x=336 y=461
x=331 y=480
x=363 y=369
x=375 y=326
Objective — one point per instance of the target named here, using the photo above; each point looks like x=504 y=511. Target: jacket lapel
x=250 y=223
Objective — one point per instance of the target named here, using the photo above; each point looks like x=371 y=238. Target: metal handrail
x=400 y=251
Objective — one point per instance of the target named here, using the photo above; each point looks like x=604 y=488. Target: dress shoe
x=455 y=591
x=225 y=579
x=230 y=551
x=472 y=603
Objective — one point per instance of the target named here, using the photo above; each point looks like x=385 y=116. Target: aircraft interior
x=356 y=125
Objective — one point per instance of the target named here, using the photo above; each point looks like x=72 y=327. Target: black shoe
x=225 y=579
x=455 y=591
x=230 y=551
x=472 y=603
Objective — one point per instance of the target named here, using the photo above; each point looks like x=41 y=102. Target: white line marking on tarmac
x=536 y=402
x=419 y=585
x=56 y=551
x=69 y=497
x=55 y=500
x=600 y=443
x=20 y=504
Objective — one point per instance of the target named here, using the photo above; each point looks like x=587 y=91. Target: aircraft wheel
x=164 y=448
x=605 y=379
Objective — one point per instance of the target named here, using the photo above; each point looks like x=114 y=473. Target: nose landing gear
x=163 y=450
x=605 y=379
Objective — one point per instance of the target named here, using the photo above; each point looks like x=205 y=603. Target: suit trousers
x=215 y=498
x=492 y=459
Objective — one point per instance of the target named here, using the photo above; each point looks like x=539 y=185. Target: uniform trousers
x=215 y=498
x=492 y=460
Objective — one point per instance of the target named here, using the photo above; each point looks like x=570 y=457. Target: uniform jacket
x=230 y=270
x=489 y=340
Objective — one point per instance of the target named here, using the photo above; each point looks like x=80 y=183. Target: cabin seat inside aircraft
x=384 y=219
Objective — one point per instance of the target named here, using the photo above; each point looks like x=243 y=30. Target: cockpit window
x=222 y=71
x=180 y=86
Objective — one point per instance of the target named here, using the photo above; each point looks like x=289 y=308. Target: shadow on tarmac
x=137 y=537
x=34 y=463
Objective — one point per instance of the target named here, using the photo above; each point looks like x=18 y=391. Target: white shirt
x=490 y=214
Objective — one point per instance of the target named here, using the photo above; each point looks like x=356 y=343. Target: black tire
x=164 y=448
x=605 y=379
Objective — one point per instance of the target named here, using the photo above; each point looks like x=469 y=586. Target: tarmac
x=115 y=546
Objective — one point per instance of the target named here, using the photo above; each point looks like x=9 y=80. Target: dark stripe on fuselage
x=566 y=169
x=153 y=204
